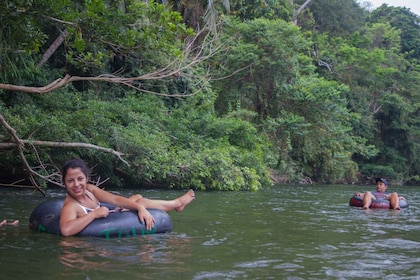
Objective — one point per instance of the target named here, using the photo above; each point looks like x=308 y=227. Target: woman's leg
x=178 y=204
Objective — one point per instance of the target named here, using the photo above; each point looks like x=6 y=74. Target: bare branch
x=176 y=68
x=15 y=185
x=54 y=46
x=60 y=21
x=299 y=10
x=20 y=146
x=7 y=145
x=32 y=172
x=324 y=64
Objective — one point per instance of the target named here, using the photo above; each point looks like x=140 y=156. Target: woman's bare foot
x=4 y=222
x=14 y=223
x=185 y=199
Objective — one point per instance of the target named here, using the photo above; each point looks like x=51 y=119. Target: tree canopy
x=209 y=95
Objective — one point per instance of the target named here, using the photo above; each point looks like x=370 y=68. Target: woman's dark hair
x=74 y=163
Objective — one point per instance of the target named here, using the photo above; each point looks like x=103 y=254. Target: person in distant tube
x=6 y=223
x=82 y=203
x=380 y=193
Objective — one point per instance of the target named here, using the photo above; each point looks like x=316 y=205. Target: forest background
x=210 y=95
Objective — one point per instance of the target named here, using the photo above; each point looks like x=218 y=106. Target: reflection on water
x=288 y=232
x=96 y=253
x=79 y=254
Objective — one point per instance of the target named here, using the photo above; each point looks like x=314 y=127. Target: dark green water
x=288 y=232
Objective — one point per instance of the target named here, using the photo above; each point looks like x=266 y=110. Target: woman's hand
x=146 y=217
x=101 y=212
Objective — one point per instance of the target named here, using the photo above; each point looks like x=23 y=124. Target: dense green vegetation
x=229 y=95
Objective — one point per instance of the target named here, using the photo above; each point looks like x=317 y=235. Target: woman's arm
x=71 y=224
x=120 y=201
x=116 y=200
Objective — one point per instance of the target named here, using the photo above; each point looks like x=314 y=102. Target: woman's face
x=75 y=181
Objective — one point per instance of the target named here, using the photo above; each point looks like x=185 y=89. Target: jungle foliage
x=252 y=98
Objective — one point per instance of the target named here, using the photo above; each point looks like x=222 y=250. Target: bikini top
x=92 y=197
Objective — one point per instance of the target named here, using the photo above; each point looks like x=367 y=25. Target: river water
x=286 y=232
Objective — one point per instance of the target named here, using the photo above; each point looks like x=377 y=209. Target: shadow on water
x=287 y=232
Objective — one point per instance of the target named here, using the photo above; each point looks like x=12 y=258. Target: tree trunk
x=54 y=46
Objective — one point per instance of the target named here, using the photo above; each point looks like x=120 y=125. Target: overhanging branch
x=177 y=68
x=19 y=144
